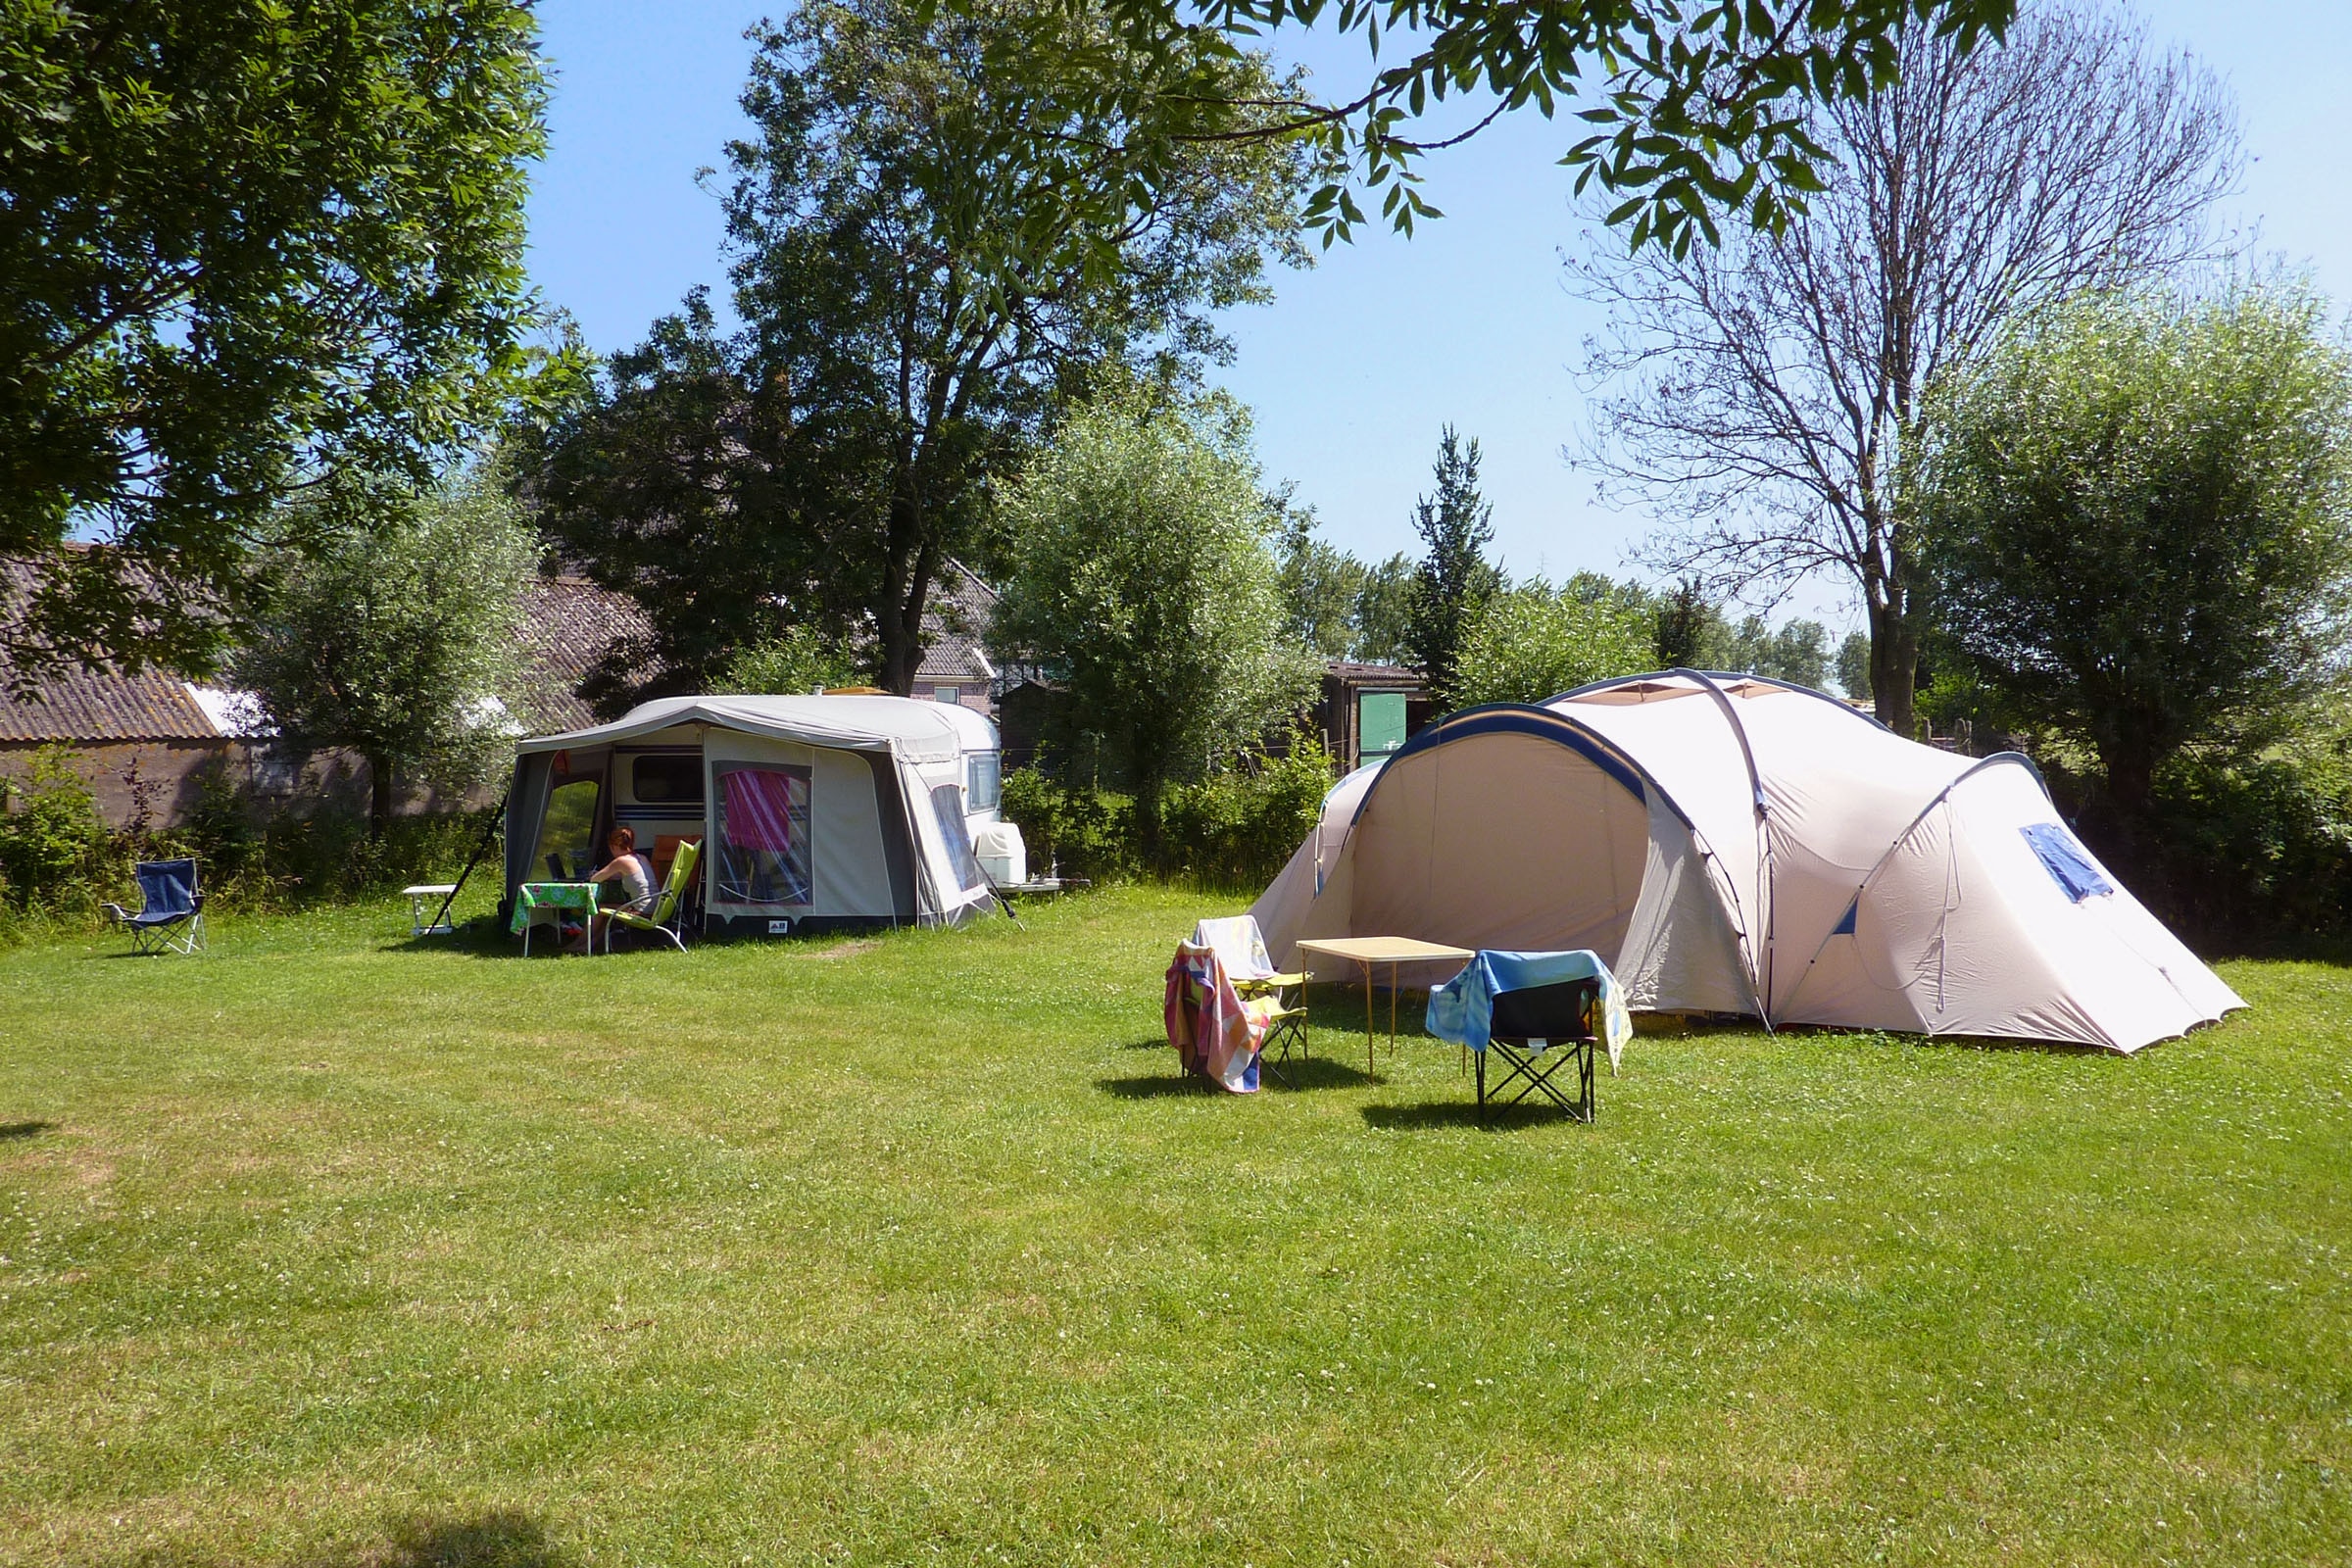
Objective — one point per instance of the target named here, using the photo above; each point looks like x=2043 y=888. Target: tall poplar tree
x=1455 y=580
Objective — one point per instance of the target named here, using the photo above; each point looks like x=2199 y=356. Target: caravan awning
x=920 y=732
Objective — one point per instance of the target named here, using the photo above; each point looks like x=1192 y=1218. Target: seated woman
x=635 y=874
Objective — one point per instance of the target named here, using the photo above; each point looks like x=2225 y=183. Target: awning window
x=763 y=835
x=947 y=804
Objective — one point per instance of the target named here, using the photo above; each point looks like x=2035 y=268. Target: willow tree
x=399 y=640
x=2141 y=512
x=1144 y=584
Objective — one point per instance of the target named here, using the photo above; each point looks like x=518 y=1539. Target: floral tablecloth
x=553 y=897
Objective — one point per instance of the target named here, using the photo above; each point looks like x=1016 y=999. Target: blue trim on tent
x=1845 y=922
x=1517 y=718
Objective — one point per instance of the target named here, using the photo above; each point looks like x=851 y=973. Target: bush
x=53 y=846
x=799 y=661
x=2238 y=852
x=58 y=859
x=1080 y=830
x=1237 y=829
x=1233 y=829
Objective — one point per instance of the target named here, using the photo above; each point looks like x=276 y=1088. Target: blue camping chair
x=170 y=916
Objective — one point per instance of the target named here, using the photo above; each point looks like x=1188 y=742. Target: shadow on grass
x=1318 y=1072
x=494 y=1540
x=480 y=938
x=23 y=1129
x=1153 y=1085
x=1306 y=1072
x=1432 y=1114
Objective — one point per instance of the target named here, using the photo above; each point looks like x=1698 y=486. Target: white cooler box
x=1001 y=854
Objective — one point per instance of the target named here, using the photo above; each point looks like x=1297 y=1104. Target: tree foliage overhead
x=918 y=295
x=1767 y=396
x=1688 y=111
x=397 y=640
x=2141 y=521
x=1143 y=583
x=240 y=243
x=678 y=475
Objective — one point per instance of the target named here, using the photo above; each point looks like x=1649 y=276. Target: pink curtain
x=758 y=809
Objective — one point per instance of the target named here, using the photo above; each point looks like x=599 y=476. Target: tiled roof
x=566 y=626
x=79 y=705
x=956 y=627
x=567 y=623
x=74 y=704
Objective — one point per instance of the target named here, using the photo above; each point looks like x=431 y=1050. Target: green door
x=1378 y=725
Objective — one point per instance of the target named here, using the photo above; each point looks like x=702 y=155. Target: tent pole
x=488 y=833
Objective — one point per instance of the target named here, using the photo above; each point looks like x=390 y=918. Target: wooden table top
x=1382 y=950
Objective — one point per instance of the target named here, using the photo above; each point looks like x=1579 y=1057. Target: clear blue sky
x=1358 y=361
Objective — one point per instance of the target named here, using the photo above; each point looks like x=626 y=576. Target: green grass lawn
x=327 y=1247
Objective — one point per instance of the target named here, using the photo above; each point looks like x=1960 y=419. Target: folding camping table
x=1365 y=952
x=417 y=894
x=543 y=903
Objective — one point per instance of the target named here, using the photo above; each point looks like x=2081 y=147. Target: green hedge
x=58 y=859
x=1234 y=829
x=1076 y=830
x=2240 y=853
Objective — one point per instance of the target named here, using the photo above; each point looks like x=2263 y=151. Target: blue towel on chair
x=1462 y=1009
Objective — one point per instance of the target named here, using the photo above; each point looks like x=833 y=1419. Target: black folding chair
x=1537 y=1032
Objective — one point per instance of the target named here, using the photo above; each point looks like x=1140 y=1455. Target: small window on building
x=984 y=773
x=667 y=780
x=947 y=804
x=762 y=833
x=947 y=694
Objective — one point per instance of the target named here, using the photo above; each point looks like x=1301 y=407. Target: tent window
x=986 y=776
x=2069 y=866
x=947 y=804
x=567 y=833
x=763 y=832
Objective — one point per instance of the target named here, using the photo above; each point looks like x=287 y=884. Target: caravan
x=817 y=814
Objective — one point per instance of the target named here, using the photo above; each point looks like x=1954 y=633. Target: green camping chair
x=664 y=917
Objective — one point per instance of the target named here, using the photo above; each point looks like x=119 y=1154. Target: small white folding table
x=419 y=925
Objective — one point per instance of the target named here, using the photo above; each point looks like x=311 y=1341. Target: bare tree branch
x=1766 y=394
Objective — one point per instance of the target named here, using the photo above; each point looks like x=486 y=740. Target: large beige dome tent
x=1735 y=844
